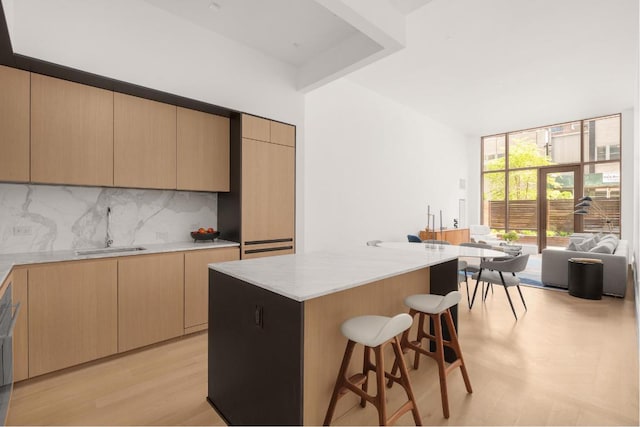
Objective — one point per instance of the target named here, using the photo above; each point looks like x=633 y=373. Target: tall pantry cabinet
x=259 y=211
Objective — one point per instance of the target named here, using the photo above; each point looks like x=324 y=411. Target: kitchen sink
x=109 y=250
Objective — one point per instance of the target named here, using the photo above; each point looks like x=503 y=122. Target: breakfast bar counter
x=274 y=325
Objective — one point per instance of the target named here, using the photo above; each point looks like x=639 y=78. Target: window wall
x=512 y=162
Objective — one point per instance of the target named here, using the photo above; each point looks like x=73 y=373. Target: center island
x=275 y=344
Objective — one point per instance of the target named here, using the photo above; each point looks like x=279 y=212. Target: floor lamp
x=586 y=204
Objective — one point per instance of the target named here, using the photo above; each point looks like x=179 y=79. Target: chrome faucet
x=108 y=240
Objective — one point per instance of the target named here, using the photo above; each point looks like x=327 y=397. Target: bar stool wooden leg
x=404 y=381
x=455 y=344
x=340 y=382
x=380 y=402
x=419 y=337
x=439 y=356
x=366 y=367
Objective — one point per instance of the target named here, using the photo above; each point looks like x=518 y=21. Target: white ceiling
x=304 y=31
x=490 y=66
x=480 y=66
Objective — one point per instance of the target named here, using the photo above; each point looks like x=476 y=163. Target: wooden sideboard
x=455 y=236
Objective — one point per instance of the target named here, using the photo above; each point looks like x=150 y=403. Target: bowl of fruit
x=204 y=234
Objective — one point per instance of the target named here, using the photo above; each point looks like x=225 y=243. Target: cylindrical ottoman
x=585 y=278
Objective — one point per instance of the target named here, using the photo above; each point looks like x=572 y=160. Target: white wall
x=372 y=167
x=629 y=188
x=474 y=192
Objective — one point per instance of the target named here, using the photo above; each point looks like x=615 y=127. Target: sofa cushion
x=611 y=237
x=586 y=245
x=606 y=247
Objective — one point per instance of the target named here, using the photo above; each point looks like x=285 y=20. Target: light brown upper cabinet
x=72 y=313
x=283 y=134
x=268 y=130
x=14 y=125
x=71 y=133
x=196 y=284
x=268 y=191
x=256 y=128
x=203 y=151
x=150 y=299
x=144 y=143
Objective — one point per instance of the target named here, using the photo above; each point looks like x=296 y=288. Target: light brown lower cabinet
x=72 y=313
x=77 y=311
x=196 y=284
x=150 y=299
x=21 y=331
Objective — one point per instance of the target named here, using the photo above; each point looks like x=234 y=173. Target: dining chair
x=413 y=238
x=497 y=271
x=473 y=267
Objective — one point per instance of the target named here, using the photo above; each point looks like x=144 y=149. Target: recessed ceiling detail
x=292 y=31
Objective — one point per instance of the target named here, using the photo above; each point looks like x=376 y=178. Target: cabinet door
x=71 y=133
x=150 y=299
x=203 y=151
x=14 y=124
x=196 y=284
x=256 y=128
x=268 y=186
x=72 y=314
x=21 y=331
x=283 y=134
x=144 y=152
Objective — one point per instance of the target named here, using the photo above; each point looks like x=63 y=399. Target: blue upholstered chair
x=413 y=238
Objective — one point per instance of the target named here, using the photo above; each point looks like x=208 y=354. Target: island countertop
x=302 y=277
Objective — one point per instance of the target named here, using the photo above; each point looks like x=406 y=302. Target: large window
x=511 y=166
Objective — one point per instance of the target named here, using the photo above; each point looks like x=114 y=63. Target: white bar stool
x=374 y=332
x=435 y=306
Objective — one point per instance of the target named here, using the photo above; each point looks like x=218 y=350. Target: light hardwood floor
x=567 y=361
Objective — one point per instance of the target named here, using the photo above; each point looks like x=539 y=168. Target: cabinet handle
x=279 y=248
x=258 y=316
x=262 y=242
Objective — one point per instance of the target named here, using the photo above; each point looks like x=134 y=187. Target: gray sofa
x=555 y=266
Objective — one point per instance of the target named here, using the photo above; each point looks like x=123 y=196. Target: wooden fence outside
x=523 y=215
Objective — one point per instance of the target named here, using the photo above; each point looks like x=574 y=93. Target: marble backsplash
x=36 y=218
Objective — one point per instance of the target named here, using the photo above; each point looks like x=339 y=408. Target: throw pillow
x=586 y=245
x=572 y=246
x=606 y=247
x=610 y=237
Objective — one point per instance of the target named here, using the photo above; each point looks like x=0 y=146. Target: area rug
x=533 y=273
x=531 y=276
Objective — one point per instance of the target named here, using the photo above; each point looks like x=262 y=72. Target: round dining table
x=452 y=250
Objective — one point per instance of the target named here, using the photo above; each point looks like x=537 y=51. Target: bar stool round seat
x=432 y=304
x=374 y=332
x=435 y=307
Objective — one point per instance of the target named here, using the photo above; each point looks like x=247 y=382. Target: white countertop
x=7 y=261
x=305 y=276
